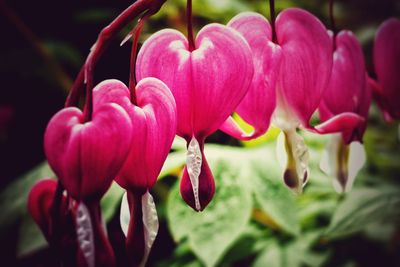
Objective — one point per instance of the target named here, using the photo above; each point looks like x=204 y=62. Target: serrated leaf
x=211 y=232
x=363 y=207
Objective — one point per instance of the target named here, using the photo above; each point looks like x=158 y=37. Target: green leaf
x=13 y=200
x=274 y=197
x=173 y=164
x=111 y=201
x=362 y=207
x=271 y=256
x=30 y=238
x=210 y=233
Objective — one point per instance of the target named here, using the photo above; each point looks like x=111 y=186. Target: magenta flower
x=296 y=68
x=387 y=64
x=86 y=157
x=208 y=80
x=57 y=226
x=347 y=91
x=154 y=119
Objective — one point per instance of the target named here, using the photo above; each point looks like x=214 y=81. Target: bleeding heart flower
x=298 y=69
x=154 y=119
x=387 y=64
x=86 y=156
x=208 y=82
x=259 y=103
x=347 y=91
x=57 y=225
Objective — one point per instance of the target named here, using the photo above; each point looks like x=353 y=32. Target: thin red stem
x=104 y=39
x=331 y=15
x=272 y=15
x=190 y=25
x=132 y=75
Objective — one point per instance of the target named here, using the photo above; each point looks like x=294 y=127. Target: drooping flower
x=55 y=222
x=348 y=91
x=298 y=70
x=153 y=118
x=208 y=81
x=386 y=56
x=86 y=156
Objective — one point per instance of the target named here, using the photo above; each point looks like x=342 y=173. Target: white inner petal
x=150 y=224
x=357 y=160
x=292 y=154
x=329 y=163
x=193 y=166
x=125 y=215
x=84 y=233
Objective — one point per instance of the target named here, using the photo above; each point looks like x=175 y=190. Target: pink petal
x=259 y=103
x=154 y=121
x=306 y=63
x=40 y=201
x=342 y=122
x=155 y=118
x=87 y=156
x=387 y=64
x=165 y=56
x=348 y=90
x=221 y=76
x=207 y=83
x=347 y=83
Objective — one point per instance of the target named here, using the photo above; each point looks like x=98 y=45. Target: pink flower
x=208 y=82
x=153 y=116
x=86 y=156
x=295 y=69
x=348 y=91
x=387 y=64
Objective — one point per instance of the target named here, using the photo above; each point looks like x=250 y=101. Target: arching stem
x=132 y=74
x=331 y=16
x=104 y=39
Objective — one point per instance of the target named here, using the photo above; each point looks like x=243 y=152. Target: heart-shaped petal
x=347 y=90
x=387 y=64
x=207 y=83
x=87 y=156
x=306 y=64
x=259 y=103
x=154 y=121
x=40 y=201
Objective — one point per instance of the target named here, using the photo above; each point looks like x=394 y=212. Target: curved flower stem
x=104 y=254
x=333 y=24
x=190 y=25
x=104 y=39
x=272 y=15
x=132 y=74
x=135 y=242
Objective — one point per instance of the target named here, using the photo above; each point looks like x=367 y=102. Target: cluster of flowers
x=277 y=72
